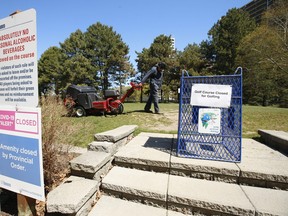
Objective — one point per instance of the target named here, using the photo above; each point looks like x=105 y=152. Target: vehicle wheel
x=120 y=108
x=80 y=111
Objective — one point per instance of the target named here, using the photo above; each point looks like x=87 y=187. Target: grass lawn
x=269 y=118
x=254 y=118
x=133 y=115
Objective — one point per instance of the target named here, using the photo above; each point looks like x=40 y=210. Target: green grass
x=254 y=118
x=133 y=115
x=269 y=118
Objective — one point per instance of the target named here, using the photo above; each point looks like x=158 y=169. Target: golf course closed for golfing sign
x=211 y=95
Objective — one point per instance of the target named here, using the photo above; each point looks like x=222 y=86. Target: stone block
x=87 y=164
x=115 y=134
x=72 y=195
x=209 y=195
x=110 y=206
x=275 y=139
x=148 y=151
x=267 y=201
x=137 y=182
x=102 y=146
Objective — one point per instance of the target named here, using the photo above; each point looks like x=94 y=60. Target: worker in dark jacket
x=156 y=76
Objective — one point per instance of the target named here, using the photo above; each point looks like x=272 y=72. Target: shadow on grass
x=140 y=111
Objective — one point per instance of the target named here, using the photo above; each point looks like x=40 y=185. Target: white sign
x=209 y=121
x=18 y=60
x=210 y=95
x=21 y=162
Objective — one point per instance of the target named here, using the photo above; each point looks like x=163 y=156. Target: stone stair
x=108 y=206
x=147 y=178
x=77 y=194
x=193 y=196
x=147 y=171
x=261 y=166
x=275 y=139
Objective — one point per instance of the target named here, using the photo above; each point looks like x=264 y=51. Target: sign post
x=21 y=169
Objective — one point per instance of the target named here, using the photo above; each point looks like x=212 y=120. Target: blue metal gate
x=223 y=145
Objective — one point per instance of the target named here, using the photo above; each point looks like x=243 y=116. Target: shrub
x=55 y=133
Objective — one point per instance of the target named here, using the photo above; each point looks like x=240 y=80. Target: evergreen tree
x=192 y=60
x=50 y=70
x=74 y=44
x=107 y=52
x=77 y=66
x=161 y=50
x=225 y=37
x=96 y=57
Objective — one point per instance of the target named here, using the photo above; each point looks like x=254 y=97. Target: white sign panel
x=18 y=60
x=209 y=121
x=210 y=95
x=21 y=162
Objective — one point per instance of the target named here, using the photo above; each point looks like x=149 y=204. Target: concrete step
x=190 y=195
x=75 y=196
x=116 y=134
x=213 y=197
x=143 y=186
x=87 y=170
x=96 y=161
x=92 y=165
x=111 y=141
x=261 y=166
x=111 y=206
x=275 y=139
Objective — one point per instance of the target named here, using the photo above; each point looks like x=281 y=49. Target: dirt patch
x=167 y=121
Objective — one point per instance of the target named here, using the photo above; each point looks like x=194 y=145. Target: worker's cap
x=161 y=65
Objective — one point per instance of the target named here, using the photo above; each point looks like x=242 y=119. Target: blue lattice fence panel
x=225 y=144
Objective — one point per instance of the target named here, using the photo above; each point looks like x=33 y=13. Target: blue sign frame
x=223 y=146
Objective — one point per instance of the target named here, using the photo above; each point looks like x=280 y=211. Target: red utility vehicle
x=83 y=100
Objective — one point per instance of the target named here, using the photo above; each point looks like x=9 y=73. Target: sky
x=138 y=22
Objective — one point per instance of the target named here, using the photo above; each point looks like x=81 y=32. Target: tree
x=96 y=57
x=50 y=70
x=75 y=44
x=265 y=55
x=79 y=70
x=60 y=67
x=259 y=79
x=77 y=66
x=225 y=37
x=191 y=59
x=160 y=50
x=107 y=52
